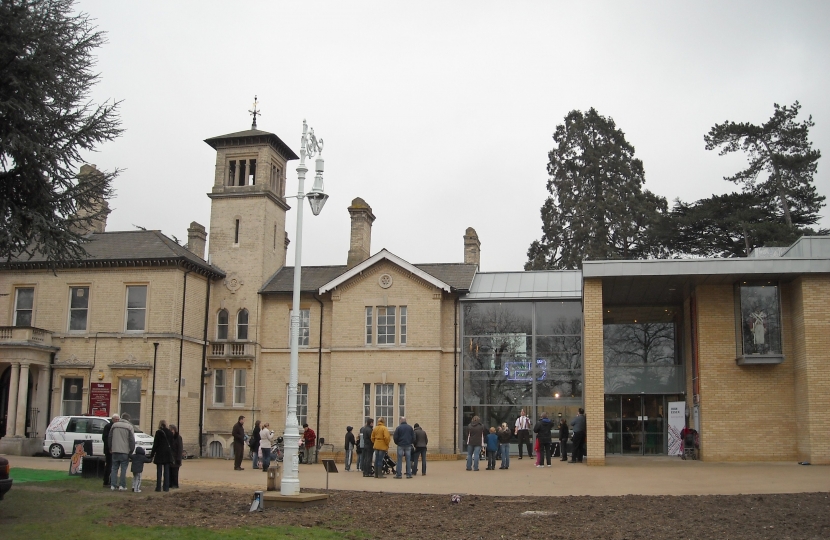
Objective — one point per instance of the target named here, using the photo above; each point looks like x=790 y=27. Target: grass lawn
x=43 y=507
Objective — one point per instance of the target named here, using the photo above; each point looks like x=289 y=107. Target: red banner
x=99 y=399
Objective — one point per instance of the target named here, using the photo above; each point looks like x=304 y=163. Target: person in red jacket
x=309 y=438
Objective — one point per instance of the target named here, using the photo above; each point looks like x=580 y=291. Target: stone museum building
x=146 y=326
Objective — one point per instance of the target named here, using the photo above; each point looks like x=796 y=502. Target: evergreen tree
x=46 y=121
x=597 y=209
x=782 y=163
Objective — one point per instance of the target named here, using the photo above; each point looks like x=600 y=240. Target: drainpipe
x=455 y=380
x=181 y=355
x=153 y=399
x=319 y=362
x=202 y=372
x=49 y=395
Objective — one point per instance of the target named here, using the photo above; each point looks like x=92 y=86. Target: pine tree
x=46 y=122
x=597 y=209
x=782 y=163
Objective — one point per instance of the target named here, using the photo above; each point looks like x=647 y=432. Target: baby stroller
x=277 y=450
x=388 y=466
x=689 y=443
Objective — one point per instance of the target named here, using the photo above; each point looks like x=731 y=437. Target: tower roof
x=252 y=136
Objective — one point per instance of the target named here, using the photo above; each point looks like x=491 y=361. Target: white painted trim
x=377 y=257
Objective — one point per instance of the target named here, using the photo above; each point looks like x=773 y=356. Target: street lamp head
x=317 y=200
x=316 y=197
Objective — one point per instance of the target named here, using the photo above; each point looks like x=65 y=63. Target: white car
x=63 y=431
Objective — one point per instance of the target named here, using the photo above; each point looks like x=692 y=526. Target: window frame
x=217 y=374
x=240 y=325
x=302 y=402
x=79 y=402
x=304 y=337
x=384 y=338
x=135 y=416
x=369 y=324
x=72 y=289
x=220 y=325
x=402 y=323
x=18 y=310
x=127 y=308
x=240 y=389
x=385 y=402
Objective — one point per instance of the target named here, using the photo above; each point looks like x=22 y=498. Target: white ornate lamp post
x=309 y=146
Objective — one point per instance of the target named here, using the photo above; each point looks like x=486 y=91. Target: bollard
x=257 y=504
x=273 y=477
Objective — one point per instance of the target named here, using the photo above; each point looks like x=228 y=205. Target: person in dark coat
x=579 y=437
x=178 y=452
x=564 y=432
x=254 y=443
x=349 y=447
x=105 y=436
x=367 y=448
x=162 y=455
x=543 y=430
x=238 y=433
x=475 y=440
x=421 y=441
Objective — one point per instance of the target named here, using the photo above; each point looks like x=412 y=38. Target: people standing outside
x=238 y=433
x=266 y=441
x=380 y=442
x=578 y=426
x=421 y=441
x=121 y=444
x=522 y=431
x=349 y=447
x=504 y=445
x=309 y=438
x=475 y=440
x=367 y=453
x=543 y=430
x=178 y=451
x=253 y=443
x=162 y=455
x=139 y=458
x=564 y=431
x=404 y=437
x=105 y=438
x=492 y=449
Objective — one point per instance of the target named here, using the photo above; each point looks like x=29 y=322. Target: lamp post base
x=290 y=487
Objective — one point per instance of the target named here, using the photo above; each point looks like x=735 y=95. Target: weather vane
x=254 y=113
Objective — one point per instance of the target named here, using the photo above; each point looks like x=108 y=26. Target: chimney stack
x=196 y=237
x=472 y=247
x=94 y=218
x=361 y=237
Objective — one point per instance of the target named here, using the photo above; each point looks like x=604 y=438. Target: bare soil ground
x=427 y=517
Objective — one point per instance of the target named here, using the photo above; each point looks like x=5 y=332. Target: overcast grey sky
x=440 y=114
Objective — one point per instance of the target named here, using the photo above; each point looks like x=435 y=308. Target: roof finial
x=254 y=113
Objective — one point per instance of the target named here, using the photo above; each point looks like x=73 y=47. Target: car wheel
x=56 y=451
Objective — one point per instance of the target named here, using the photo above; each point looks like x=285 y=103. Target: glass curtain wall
x=520 y=355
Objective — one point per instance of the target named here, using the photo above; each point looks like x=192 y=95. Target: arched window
x=222 y=324
x=242 y=324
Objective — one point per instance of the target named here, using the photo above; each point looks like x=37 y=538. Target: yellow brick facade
x=594 y=369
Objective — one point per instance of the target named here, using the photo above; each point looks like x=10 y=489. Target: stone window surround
x=371 y=335
x=72 y=288
x=146 y=307
x=17 y=289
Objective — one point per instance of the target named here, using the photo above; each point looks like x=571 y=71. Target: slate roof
x=459 y=276
x=125 y=248
x=240 y=138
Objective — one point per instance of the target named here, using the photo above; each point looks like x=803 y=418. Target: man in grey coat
x=121 y=444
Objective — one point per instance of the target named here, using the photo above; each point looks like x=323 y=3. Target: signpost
x=99 y=399
x=330 y=467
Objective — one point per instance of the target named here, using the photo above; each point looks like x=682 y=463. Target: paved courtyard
x=620 y=476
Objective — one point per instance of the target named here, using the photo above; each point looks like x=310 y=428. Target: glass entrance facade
x=520 y=355
x=637 y=424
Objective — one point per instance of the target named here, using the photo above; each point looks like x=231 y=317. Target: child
x=138 y=459
x=492 y=448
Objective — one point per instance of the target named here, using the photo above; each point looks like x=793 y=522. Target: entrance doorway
x=636 y=424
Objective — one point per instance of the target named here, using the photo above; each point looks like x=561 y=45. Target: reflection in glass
x=558 y=318
x=760 y=319
x=481 y=319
